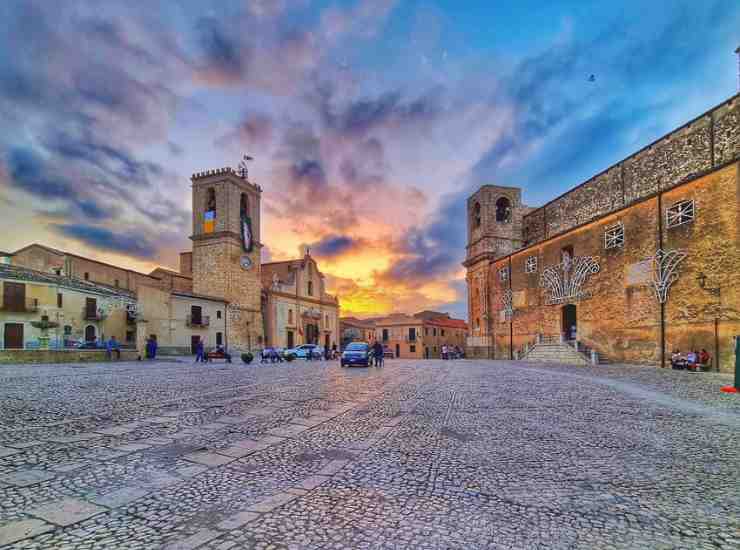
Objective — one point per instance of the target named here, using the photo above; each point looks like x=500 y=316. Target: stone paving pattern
x=419 y=454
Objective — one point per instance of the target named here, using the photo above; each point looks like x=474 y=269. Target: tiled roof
x=199 y=296
x=17 y=273
x=447 y=322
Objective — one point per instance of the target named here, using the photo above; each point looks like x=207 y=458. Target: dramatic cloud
x=368 y=132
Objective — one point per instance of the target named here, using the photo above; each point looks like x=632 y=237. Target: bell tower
x=226 y=251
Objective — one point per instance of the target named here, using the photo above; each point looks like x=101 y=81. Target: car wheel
x=342 y=363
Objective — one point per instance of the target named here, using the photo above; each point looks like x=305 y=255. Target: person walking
x=378 y=353
x=199 y=355
x=112 y=346
x=151 y=348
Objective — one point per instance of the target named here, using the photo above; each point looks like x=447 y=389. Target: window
x=291 y=341
x=434 y=332
x=477 y=323
x=566 y=253
x=87 y=276
x=67 y=330
x=503 y=210
x=219 y=339
x=196 y=313
x=476 y=215
x=442 y=332
x=218 y=314
x=385 y=335
x=290 y=316
x=426 y=331
x=614 y=236
x=91 y=308
x=503 y=274
x=680 y=213
x=59 y=299
x=412 y=334
x=412 y=349
x=530 y=266
x=211 y=200
x=310 y=288
x=115 y=283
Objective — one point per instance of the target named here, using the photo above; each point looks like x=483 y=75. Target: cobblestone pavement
x=419 y=454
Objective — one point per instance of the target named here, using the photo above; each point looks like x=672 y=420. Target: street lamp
x=701 y=278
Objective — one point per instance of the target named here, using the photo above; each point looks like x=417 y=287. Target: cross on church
x=243 y=170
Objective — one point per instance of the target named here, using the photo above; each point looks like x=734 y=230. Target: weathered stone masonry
x=622 y=319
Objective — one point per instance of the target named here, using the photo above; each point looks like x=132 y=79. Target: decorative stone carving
x=665 y=271
x=507 y=304
x=564 y=282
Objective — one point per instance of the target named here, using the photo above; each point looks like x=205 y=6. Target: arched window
x=211 y=200
x=476 y=215
x=503 y=210
x=310 y=288
x=244 y=205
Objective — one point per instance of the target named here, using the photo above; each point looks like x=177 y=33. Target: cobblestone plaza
x=420 y=454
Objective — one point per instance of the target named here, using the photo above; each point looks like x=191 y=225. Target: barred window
x=503 y=274
x=680 y=213
x=614 y=237
x=531 y=264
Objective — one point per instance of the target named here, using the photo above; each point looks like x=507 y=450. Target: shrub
x=247 y=357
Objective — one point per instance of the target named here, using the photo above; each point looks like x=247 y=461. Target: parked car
x=356 y=353
x=90 y=345
x=303 y=350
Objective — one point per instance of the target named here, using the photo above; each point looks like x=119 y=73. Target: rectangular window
x=115 y=283
x=412 y=334
x=442 y=332
x=291 y=341
x=412 y=349
x=503 y=274
x=385 y=335
x=426 y=331
x=196 y=313
x=59 y=299
x=290 y=316
x=530 y=265
x=680 y=213
x=91 y=308
x=87 y=276
x=434 y=332
x=14 y=296
x=614 y=237
x=218 y=314
x=310 y=288
x=219 y=339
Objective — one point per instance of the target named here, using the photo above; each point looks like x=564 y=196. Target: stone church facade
x=641 y=259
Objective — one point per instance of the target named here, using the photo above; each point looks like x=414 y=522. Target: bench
x=211 y=355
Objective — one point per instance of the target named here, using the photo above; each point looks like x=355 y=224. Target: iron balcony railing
x=92 y=315
x=198 y=322
x=28 y=305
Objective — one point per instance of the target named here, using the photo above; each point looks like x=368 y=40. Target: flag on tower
x=209 y=221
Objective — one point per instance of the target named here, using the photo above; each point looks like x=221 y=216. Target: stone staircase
x=555 y=352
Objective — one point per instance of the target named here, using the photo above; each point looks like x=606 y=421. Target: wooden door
x=91 y=310
x=14 y=296
x=13 y=335
x=89 y=333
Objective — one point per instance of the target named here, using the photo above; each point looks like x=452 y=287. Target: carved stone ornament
x=665 y=271
x=109 y=304
x=564 y=282
x=507 y=304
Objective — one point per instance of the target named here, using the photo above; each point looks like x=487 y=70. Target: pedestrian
x=573 y=332
x=444 y=351
x=152 y=348
x=704 y=358
x=309 y=353
x=334 y=350
x=199 y=356
x=378 y=353
x=112 y=346
x=226 y=354
x=692 y=358
x=677 y=361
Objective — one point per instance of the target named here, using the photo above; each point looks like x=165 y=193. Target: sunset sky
x=370 y=121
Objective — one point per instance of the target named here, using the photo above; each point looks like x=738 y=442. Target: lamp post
x=701 y=278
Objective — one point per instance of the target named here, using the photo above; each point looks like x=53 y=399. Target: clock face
x=245 y=262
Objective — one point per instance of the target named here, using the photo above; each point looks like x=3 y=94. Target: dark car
x=356 y=353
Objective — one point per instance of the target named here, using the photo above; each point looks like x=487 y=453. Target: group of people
x=376 y=354
x=451 y=352
x=693 y=360
x=202 y=357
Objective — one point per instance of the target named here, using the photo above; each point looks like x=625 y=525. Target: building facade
x=356 y=330
x=420 y=336
x=640 y=260
x=298 y=310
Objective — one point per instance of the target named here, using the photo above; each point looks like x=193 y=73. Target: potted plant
x=247 y=357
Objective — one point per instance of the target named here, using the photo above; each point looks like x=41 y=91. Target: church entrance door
x=570 y=321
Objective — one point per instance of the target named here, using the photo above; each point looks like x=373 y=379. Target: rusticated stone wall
x=707 y=142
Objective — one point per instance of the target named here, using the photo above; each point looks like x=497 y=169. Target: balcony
x=198 y=322
x=28 y=305
x=90 y=315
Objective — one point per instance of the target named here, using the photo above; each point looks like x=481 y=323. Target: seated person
x=227 y=356
x=677 y=360
x=692 y=359
x=705 y=360
x=266 y=355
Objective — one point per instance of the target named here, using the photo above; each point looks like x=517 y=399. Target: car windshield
x=357 y=347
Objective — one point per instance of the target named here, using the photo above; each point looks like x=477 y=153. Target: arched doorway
x=570 y=322
x=89 y=333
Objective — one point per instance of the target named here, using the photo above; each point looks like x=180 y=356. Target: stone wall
x=707 y=142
